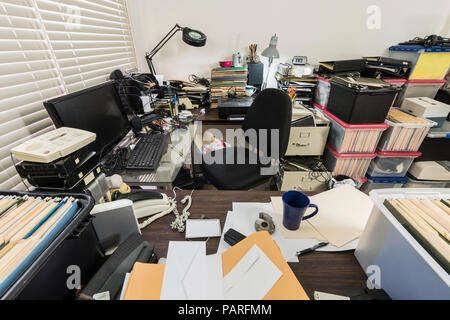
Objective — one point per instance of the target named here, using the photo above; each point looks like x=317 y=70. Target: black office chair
x=271 y=109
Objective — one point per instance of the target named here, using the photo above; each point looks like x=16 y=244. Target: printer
x=234 y=108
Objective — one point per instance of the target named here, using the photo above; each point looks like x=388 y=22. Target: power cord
x=199 y=80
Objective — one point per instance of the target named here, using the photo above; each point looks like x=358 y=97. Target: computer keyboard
x=147 y=152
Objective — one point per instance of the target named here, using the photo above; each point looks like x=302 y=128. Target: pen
x=317 y=246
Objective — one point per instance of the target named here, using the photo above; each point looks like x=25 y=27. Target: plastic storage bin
x=322 y=91
x=416 y=183
x=399 y=83
x=391 y=164
x=383 y=183
x=428 y=108
x=421 y=88
x=359 y=104
x=427 y=63
x=435 y=146
x=406 y=269
x=77 y=244
x=403 y=136
x=354 y=165
x=349 y=138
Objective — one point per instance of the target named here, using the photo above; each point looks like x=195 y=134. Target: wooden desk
x=337 y=273
x=211 y=117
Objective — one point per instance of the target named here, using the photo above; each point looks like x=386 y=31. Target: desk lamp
x=270 y=52
x=192 y=37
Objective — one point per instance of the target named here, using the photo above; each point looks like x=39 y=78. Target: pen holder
x=295 y=204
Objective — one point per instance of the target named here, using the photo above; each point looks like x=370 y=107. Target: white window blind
x=49 y=48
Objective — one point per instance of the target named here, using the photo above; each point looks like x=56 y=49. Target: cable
x=199 y=80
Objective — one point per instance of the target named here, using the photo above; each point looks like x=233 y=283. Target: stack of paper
x=343 y=214
x=224 y=80
x=253 y=269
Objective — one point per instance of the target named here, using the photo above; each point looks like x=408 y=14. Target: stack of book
x=227 y=80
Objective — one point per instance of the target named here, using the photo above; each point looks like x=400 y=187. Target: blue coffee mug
x=295 y=204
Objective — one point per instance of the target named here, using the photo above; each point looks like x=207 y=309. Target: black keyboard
x=147 y=152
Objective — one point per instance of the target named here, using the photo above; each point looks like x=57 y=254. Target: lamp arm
x=158 y=47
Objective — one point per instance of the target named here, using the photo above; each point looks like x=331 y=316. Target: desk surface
x=337 y=273
x=211 y=116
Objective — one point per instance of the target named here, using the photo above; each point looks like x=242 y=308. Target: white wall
x=320 y=29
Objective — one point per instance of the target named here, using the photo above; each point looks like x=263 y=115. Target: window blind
x=50 y=48
x=89 y=39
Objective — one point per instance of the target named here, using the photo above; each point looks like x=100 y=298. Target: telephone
x=53 y=145
x=156 y=205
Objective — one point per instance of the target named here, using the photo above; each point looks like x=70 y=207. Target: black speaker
x=255 y=73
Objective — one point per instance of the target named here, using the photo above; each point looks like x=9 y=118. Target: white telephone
x=53 y=145
x=157 y=208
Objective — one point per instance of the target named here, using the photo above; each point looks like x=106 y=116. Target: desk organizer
x=360 y=104
x=405 y=133
x=408 y=264
x=391 y=164
x=354 y=165
x=383 y=183
x=353 y=138
x=322 y=91
x=426 y=63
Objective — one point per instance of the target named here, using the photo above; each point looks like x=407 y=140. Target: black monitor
x=97 y=109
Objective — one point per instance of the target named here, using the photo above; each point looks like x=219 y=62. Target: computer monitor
x=97 y=109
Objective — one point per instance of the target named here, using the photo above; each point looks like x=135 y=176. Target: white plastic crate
x=404 y=136
x=354 y=165
x=406 y=269
x=353 y=138
x=391 y=164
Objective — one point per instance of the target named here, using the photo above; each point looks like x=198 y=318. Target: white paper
x=252 y=277
x=202 y=228
x=214 y=289
x=244 y=222
x=223 y=246
x=184 y=275
x=125 y=284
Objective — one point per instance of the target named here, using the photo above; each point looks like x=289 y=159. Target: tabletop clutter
x=357 y=125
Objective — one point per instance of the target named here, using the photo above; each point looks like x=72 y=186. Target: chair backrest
x=271 y=109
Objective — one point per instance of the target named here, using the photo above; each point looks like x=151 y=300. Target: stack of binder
x=227 y=80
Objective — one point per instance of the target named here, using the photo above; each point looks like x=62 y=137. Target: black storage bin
x=435 y=147
x=76 y=245
x=360 y=104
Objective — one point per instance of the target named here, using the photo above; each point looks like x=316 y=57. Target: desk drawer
x=307 y=141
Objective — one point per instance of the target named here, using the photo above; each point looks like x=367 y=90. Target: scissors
x=292 y=91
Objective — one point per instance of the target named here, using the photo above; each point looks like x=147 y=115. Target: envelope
x=252 y=277
x=184 y=276
x=145 y=282
x=287 y=287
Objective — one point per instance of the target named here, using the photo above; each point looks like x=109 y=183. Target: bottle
x=237 y=60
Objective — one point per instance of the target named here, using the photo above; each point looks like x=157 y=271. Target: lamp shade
x=271 y=51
